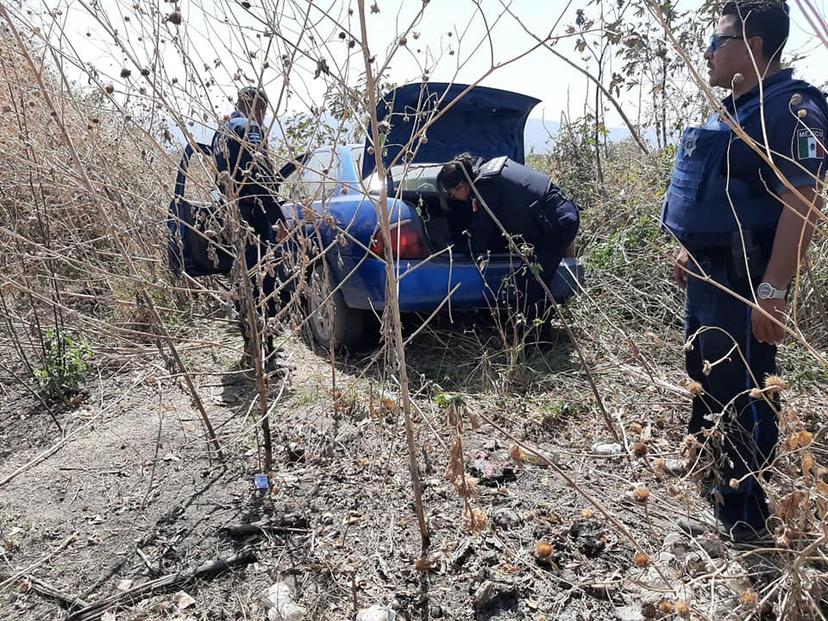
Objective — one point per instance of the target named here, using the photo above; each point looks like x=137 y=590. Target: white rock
x=607 y=448
x=376 y=613
x=279 y=598
x=629 y=613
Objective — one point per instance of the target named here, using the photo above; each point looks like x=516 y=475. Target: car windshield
x=408 y=178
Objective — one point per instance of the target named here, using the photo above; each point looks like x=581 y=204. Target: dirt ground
x=132 y=494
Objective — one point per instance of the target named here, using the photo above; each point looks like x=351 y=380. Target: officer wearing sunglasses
x=744 y=226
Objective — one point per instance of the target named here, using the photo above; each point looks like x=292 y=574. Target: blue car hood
x=486 y=122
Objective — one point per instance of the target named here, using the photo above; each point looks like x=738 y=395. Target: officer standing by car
x=526 y=203
x=744 y=225
x=245 y=174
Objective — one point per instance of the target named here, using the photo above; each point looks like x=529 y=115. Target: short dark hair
x=768 y=19
x=452 y=173
x=250 y=95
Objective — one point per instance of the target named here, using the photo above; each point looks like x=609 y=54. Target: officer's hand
x=680 y=268
x=764 y=329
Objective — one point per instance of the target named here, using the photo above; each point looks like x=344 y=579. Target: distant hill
x=540 y=134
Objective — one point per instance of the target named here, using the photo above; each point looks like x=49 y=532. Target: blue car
x=331 y=194
x=436 y=271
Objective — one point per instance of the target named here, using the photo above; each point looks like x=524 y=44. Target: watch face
x=764 y=291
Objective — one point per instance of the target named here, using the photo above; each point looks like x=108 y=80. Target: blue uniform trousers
x=720 y=342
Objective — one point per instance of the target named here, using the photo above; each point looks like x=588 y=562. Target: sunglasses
x=718 y=40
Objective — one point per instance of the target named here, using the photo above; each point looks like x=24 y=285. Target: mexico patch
x=810 y=144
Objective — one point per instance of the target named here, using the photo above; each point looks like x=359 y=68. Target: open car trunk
x=440 y=227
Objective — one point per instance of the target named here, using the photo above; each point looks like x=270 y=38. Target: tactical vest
x=529 y=204
x=704 y=207
x=510 y=188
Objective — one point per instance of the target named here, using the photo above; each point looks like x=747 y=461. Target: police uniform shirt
x=509 y=195
x=795 y=126
x=239 y=149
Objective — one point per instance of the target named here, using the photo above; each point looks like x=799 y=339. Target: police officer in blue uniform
x=245 y=174
x=740 y=224
x=528 y=205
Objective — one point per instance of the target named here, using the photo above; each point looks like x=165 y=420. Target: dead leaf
x=425 y=564
x=183 y=600
x=125 y=585
x=787 y=508
x=454 y=468
x=108 y=616
x=807 y=464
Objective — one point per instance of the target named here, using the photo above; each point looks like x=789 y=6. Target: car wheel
x=331 y=321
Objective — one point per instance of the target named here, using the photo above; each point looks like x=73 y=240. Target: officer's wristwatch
x=766 y=291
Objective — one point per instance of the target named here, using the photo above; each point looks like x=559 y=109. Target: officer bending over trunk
x=528 y=205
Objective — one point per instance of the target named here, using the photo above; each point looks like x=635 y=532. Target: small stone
x=279 y=598
x=376 y=613
x=461 y=554
x=491 y=592
x=435 y=612
x=607 y=448
x=675 y=467
x=629 y=613
x=295 y=453
x=183 y=600
x=506 y=518
x=712 y=546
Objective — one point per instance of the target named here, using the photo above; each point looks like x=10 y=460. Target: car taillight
x=406 y=242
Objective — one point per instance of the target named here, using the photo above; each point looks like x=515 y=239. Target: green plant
x=64 y=366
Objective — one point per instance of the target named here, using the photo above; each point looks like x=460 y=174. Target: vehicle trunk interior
x=442 y=227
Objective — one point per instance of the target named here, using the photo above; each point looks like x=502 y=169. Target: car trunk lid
x=485 y=122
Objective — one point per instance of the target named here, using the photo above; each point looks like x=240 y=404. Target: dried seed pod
x=475 y=520
x=639 y=449
x=641 y=559
x=775 y=385
x=683 y=609
x=641 y=494
x=543 y=549
x=749 y=598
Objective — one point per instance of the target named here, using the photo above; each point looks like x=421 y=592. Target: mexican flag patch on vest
x=810 y=144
